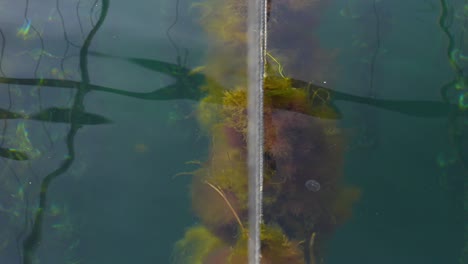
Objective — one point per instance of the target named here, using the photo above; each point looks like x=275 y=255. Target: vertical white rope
x=256 y=36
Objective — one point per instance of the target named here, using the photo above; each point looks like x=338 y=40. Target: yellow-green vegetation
x=224 y=20
x=23 y=143
x=277 y=248
x=297 y=147
x=226 y=170
x=234 y=110
x=208 y=112
x=196 y=245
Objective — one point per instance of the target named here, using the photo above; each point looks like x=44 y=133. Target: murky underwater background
x=114 y=196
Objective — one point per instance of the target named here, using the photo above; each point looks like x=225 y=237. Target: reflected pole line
x=256 y=47
x=34 y=238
